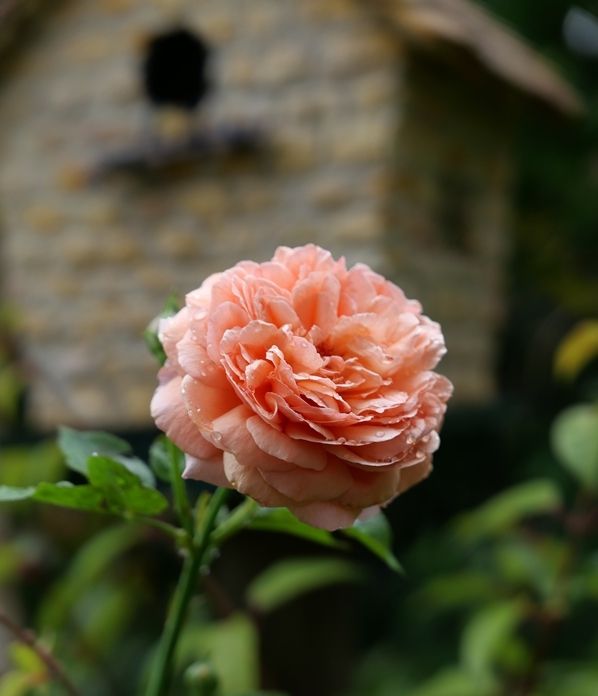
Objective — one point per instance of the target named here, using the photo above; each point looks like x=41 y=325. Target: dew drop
x=341 y=440
x=409 y=440
x=419 y=453
x=380 y=434
x=217 y=437
x=233 y=484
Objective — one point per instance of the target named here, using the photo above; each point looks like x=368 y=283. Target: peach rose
x=303 y=384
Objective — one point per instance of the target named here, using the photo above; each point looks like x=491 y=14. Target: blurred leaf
x=159 y=458
x=583 y=584
x=78 y=446
x=375 y=534
x=122 y=489
x=231 y=646
x=577 y=349
x=535 y=564
x=151 y=333
x=570 y=679
x=12 y=493
x=288 y=579
x=282 y=521
x=508 y=508
x=487 y=633
x=104 y=612
x=66 y=495
x=453 y=681
x=90 y=562
x=575 y=441
x=15 y=684
x=26 y=659
x=457 y=590
x=11 y=387
x=28 y=465
x=10 y=561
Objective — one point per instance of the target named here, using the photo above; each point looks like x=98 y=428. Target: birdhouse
x=388 y=129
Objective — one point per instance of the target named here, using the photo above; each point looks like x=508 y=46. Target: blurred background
x=450 y=144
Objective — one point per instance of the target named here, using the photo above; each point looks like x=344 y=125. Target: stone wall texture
x=356 y=161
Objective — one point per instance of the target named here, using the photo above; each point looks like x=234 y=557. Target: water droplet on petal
x=380 y=434
x=217 y=437
x=341 y=440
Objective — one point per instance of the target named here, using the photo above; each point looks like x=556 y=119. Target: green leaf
x=26 y=659
x=122 y=489
x=159 y=458
x=454 y=681
x=9 y=494
x=508 y=508
x=78 y=446
x=143 y=501
x=375 y=534
x=288 y=579
x=280 y=520
x=107 y=473
x=568 y=678
x=575 y=442
x=89 y=564
x=150 y=335
x=487 y=633
x=455 y=591
x=66 y=495
x=139 y=468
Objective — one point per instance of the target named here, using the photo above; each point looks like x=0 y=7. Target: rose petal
x=329 y=516
x=170 y=414
x=208 y=470
x=275 y=443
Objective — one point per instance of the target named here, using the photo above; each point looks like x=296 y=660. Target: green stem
x=237 y=521
x=162 y=671
x=181 y=501
x=169 y=529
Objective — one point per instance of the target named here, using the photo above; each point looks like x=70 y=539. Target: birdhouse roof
x=495 y=46
x=462 y=23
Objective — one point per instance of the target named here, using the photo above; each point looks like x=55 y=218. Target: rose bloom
x=303 y=384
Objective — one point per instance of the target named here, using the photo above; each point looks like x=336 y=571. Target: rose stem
x=181 y=502
x=162 y=669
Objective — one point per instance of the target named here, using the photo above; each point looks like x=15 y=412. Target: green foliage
x=159 y=458
x=281 y=521
x=486 y=636
x=85 y=571
x=375 y=535
x=508 y=508
x=78 y=447
x=27 y=465
x=231 y=646
x=150 y=335
x=454 y=682
x=289 y=579
x=575 y=441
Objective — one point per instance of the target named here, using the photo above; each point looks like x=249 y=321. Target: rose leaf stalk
x=161 y=674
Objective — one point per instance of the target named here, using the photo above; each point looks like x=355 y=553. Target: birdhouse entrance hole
x=174 y=69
